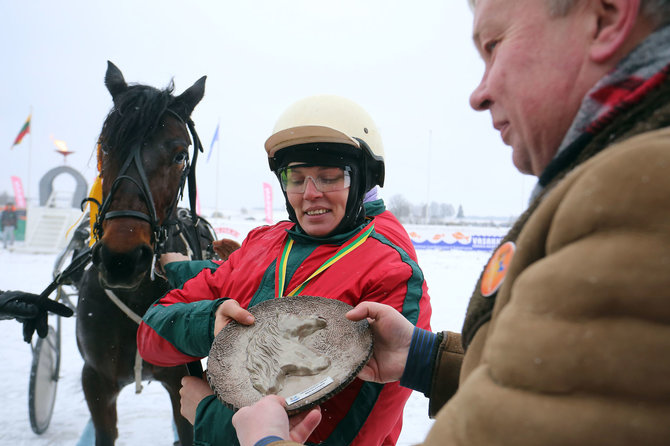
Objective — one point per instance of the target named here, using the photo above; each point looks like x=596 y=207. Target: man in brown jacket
x=567 y=334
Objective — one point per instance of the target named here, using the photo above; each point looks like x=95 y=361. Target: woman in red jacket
x=327 y=155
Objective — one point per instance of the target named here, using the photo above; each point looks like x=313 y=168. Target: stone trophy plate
x=302 y=348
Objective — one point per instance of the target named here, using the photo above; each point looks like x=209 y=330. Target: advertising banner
x=267 y=195
x=442 y=238
x=19 y=196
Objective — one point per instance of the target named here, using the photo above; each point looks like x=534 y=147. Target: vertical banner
x=215 y=138
x=19 y=196
x=267 y=195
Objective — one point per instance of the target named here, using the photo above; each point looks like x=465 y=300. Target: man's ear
x=616 y=21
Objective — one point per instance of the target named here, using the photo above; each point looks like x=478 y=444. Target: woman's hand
x=230 y=310
x=392 y=338
x=193 y=390
x=169 y=257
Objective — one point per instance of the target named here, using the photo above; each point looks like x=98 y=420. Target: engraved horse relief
x=278 y=350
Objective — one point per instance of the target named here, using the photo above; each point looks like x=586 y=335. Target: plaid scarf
x=634 y=77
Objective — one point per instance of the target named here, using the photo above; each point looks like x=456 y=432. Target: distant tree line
x=432 y=214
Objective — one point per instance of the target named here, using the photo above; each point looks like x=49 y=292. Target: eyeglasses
x=326 y=179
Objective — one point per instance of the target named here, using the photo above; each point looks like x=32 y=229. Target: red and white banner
x=267 y=195
x=19 y=196
x=197 y=202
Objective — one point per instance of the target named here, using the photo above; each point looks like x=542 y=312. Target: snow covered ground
x=146 y=418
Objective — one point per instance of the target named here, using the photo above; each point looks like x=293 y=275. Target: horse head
x=144 y=161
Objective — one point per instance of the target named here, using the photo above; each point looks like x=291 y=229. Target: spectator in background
x=8 y=225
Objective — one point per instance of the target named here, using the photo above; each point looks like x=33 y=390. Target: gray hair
x=657 y=11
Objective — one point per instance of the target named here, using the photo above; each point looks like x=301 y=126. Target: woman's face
x=318 y=212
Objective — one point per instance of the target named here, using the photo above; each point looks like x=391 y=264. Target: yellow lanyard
x=357 y=241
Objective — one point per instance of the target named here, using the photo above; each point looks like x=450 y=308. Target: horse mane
x=135 y=115
x=266 y=371
x=263 y=366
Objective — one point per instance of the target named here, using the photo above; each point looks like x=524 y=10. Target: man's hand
x=31 y=311
x=230 y=310
x=392 y=335
x=268 y=417
x=193 y=390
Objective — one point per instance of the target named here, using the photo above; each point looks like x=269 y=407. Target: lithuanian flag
x=24 y=131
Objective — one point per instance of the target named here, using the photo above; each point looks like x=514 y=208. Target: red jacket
x=382 y=269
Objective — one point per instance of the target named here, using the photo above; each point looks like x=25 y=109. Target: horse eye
x=180 y=157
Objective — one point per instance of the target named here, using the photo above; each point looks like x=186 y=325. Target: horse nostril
x=144 y=256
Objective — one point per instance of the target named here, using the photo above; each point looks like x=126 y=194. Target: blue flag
x=215 y=138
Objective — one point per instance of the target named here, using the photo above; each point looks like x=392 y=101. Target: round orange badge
x=496 y=269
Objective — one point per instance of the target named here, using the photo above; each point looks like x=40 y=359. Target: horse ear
x=191 y=97
x=114 y=80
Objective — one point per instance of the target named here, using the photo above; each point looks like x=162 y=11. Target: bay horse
x=144 y=163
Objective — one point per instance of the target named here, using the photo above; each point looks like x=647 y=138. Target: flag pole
x=426 y=215
x=218 y=160
x=30 y=156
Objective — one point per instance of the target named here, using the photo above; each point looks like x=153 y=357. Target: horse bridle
x=158 y=230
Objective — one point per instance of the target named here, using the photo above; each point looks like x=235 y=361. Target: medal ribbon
x=357 y=241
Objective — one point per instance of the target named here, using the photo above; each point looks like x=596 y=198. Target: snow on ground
x=146 y=418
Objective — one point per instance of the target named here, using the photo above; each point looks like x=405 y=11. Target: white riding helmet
x=329 y=119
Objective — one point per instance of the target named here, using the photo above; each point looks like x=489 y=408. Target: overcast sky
x=411 y=65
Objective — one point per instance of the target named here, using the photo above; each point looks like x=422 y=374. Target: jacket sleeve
x=433 y=366
x=213 y=424
x=179 y=327
x=573 y=352
x=446 y=372
x=401 y=285
x=178 y=273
